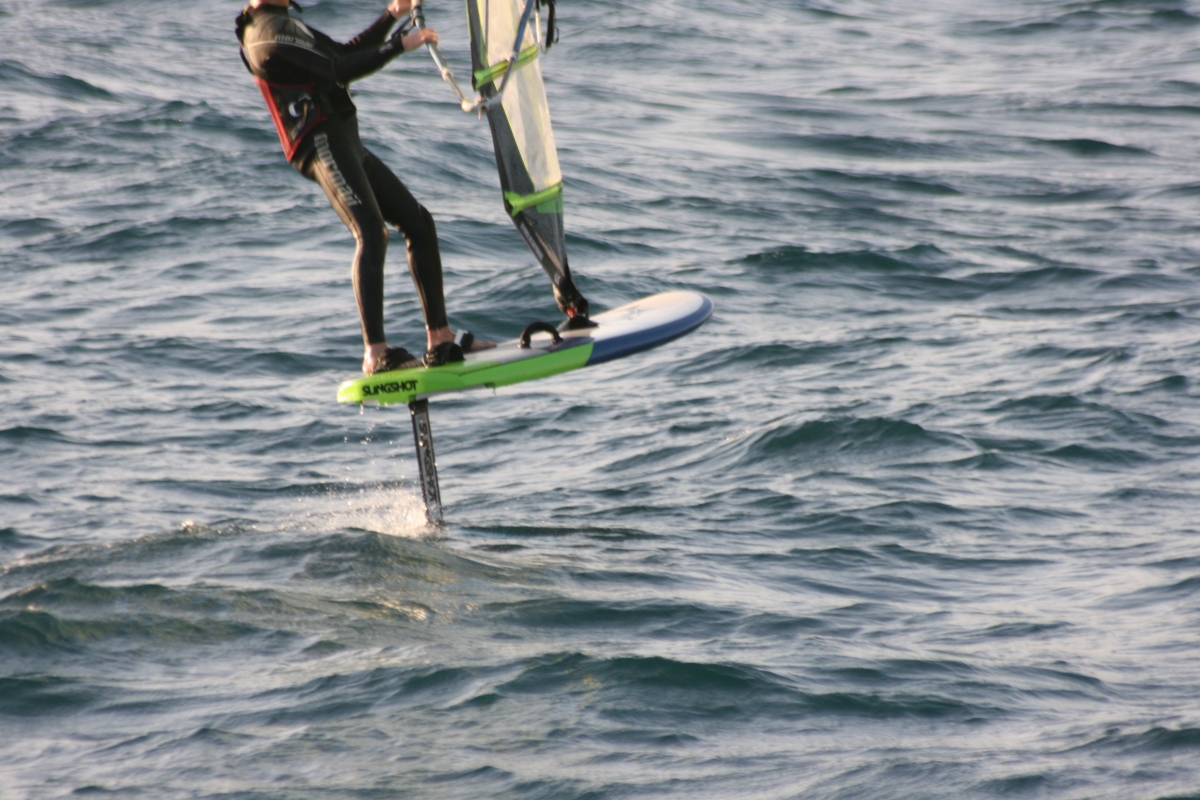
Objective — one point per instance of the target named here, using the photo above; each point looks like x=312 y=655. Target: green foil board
x=503 y=365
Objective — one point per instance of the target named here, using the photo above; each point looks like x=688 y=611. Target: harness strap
x=294 y=110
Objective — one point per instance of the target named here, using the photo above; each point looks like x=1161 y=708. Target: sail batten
x=547 y=201
x=490 y=74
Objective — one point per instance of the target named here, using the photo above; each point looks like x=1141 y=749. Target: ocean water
x=914 y=515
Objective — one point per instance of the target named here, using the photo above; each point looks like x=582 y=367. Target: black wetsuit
x=303 y=76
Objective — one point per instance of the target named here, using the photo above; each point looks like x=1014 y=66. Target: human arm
x=378 y=31
x=398 y=8
x=288 y=51
x=374 y=35
x=413 y=38
x=291 y=52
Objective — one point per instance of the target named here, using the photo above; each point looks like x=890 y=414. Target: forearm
x=374 y=35
x=340 y=69
x=363 y=62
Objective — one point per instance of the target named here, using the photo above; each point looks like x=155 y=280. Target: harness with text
x=294 y=109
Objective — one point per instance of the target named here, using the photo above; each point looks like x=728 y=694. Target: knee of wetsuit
x=427 y=234
x=373 y=242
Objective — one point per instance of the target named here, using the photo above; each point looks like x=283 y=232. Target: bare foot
x=480 y=344
x=373 y=354
x=381 y=358
x=435 y=337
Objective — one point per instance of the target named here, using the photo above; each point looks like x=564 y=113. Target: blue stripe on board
x=636 y=341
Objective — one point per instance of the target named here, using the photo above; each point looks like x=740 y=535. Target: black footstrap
x=443 y=353
x=538 y=327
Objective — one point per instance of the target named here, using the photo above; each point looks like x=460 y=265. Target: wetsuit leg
x=332 y=157
x=411 y=218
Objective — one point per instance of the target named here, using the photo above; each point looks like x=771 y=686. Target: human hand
x=416 y=38
x=398 y=8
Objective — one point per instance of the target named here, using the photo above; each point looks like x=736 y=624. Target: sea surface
x=916 y=514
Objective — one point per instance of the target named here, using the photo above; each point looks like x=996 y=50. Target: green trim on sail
x=406 y=385
x=548 y=201
x=490 y=74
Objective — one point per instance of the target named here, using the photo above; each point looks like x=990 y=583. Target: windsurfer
x=303 y=76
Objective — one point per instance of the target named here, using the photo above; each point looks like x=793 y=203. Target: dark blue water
x=913 y=516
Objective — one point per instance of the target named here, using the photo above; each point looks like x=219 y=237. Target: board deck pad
x=619 y=332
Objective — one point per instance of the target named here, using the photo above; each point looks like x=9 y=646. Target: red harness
x=294 y=109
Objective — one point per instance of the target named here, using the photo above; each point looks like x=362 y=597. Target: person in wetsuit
x=303 y=75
